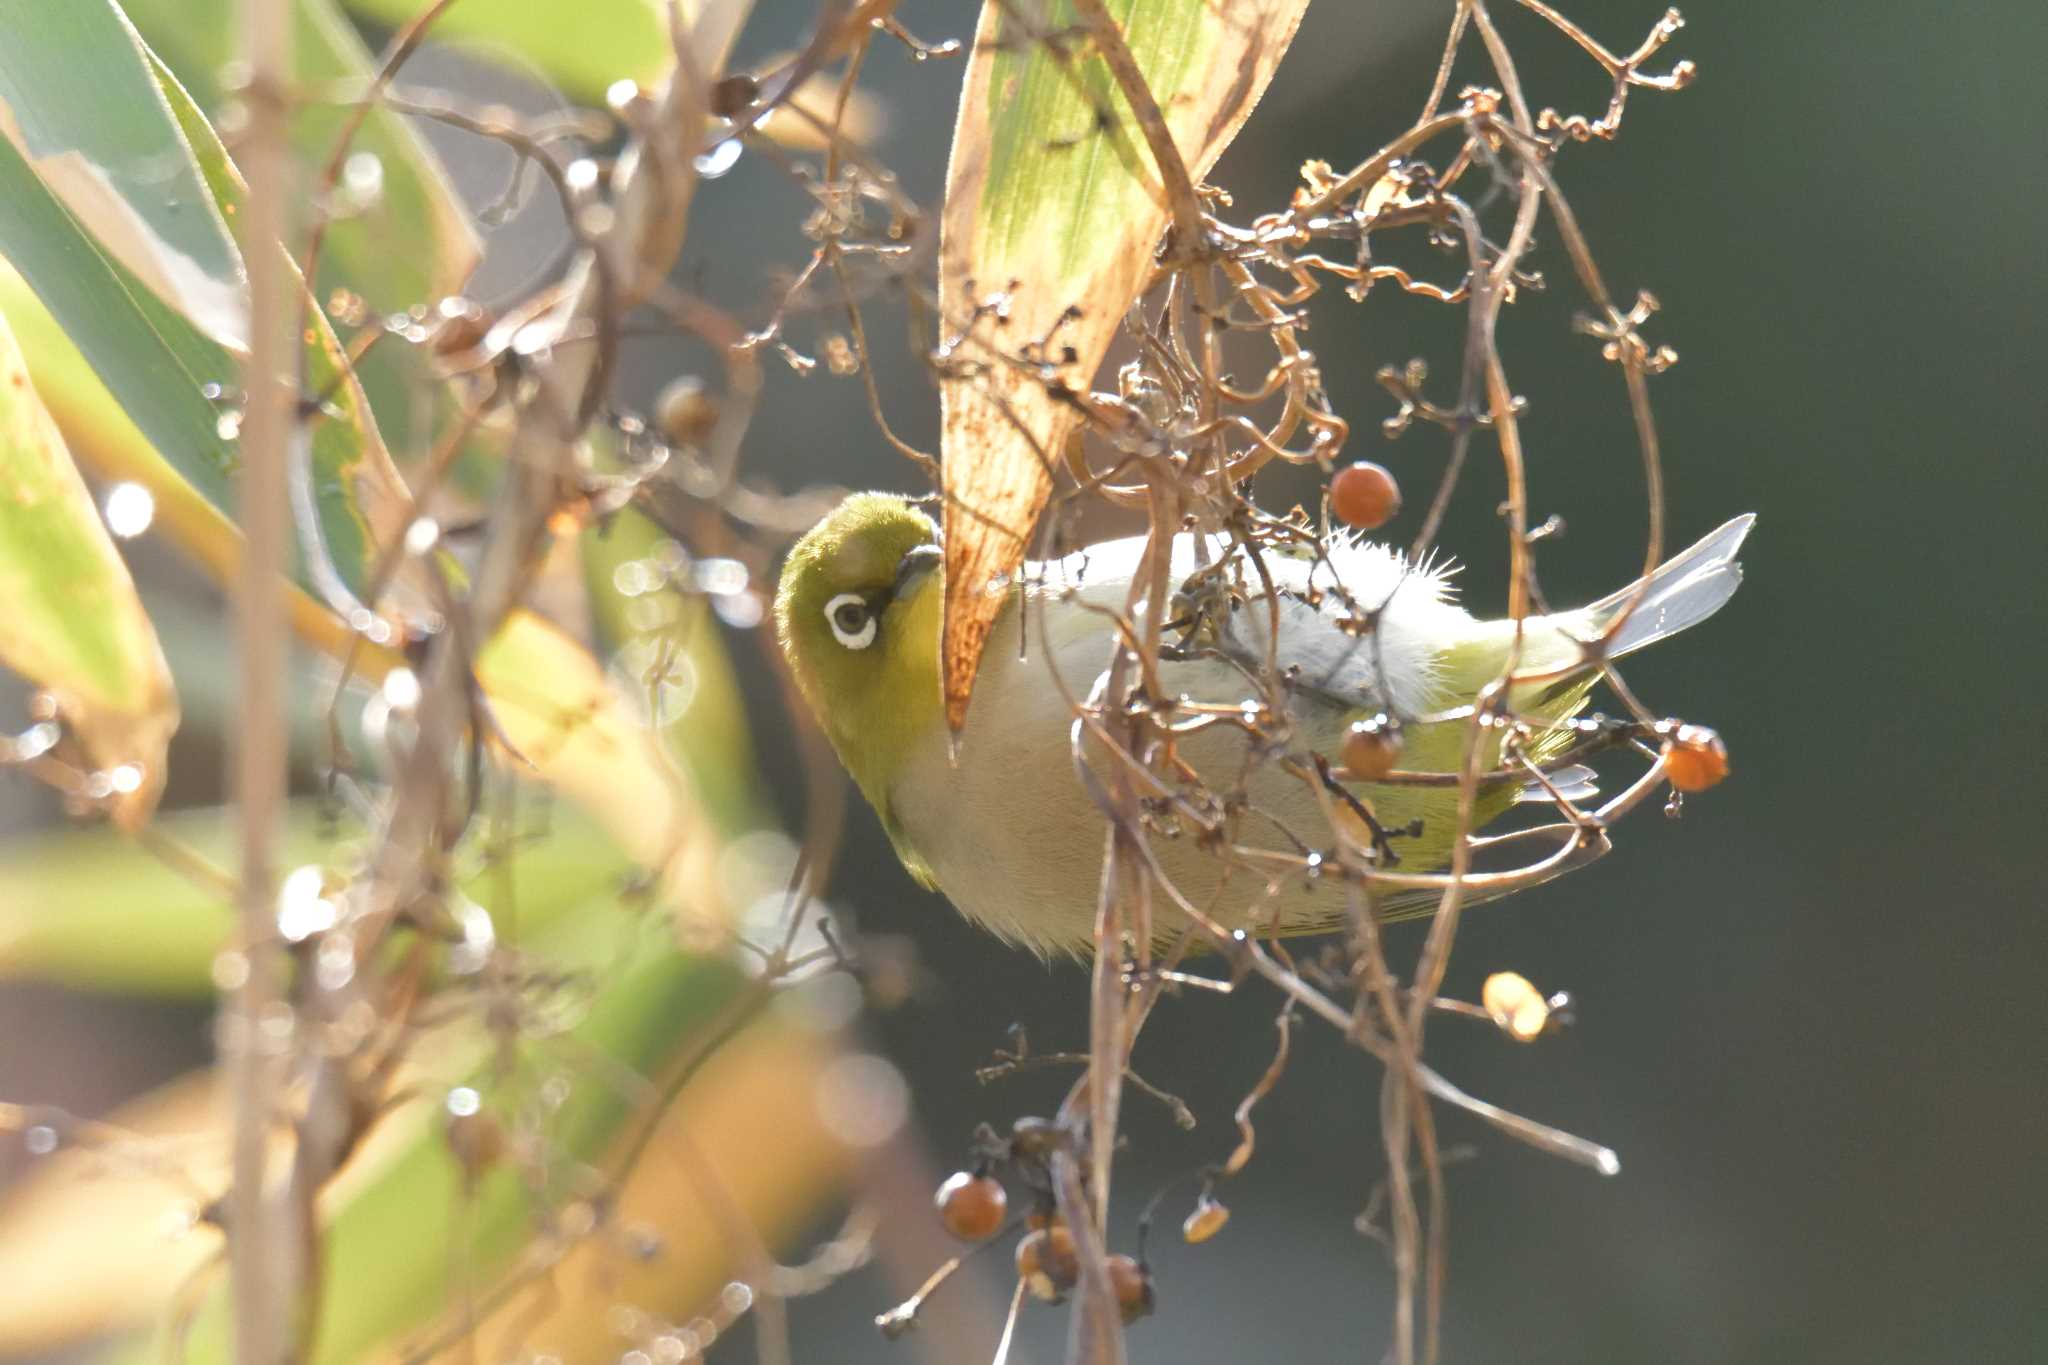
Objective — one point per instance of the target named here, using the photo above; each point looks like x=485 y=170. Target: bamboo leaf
x=587 y=740
x=581 y=49
x=167 y=375
x=101 y=1239
x=410 y=241
x=89 y=908
x=1053 y=199
x=108 y=444
x=78 y=103
x=74 y=623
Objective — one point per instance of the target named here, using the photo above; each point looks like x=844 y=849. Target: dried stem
x=267 y=1254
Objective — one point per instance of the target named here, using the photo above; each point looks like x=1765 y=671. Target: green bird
x=1001 y=822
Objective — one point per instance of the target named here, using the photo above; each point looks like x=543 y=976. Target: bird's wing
x=1684 y=591
x=1394 y=665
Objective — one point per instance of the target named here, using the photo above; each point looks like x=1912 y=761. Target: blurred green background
x=1809 y=1011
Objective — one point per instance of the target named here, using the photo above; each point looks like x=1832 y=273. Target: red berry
x=1047 y=1264
x=1205 y=1222
x=1695 y=758
x=1133 y=1286
x=1372 y=746
x=972 y=1206
x=1364 y=495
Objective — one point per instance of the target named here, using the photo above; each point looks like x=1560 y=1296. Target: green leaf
x=155 y=362
x=411 y=243
x=164 y=372
x=73 y=622
x=106 y=442
x=78 y=103
x=411 y=1236
x=579 y=48
x=678 y=660
x=91 y=909
x=1053 y=186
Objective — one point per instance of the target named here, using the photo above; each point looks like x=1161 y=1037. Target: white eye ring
x=853 y=637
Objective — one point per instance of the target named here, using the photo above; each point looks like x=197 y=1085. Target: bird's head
x=857 y=612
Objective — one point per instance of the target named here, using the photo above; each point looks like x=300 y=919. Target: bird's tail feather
x=1684 y=591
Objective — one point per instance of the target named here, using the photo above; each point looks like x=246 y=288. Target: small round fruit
x=1695 y=758
x=684 y=413
x=1516 y=1006
x=1364 y=496
x=1132 y=1285
x=1047 y=1264
x=1372 y=747
x=972 y=1206
x=1205 y=1222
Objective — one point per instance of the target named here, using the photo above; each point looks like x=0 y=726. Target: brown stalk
x=268 y=1251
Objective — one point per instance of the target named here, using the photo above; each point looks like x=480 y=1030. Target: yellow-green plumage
x=1008 y=832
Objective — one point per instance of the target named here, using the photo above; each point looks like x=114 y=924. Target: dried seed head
x=1364 y=496
x=971 y=1206
x=1695 y=758
x=732 y=95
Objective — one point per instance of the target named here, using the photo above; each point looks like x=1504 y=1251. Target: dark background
x=1809 y=1012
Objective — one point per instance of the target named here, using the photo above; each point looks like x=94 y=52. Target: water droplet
x=126 y=779
x=302 y=905
x=863 y=1100
x=719 y=159
x=479 y=938
x=736 y=1298
x=129 y=509
x=229 y=425
x=422 y=536
x=581 y=175
x=719 y=576
x=362 y=180
x=230 y=971
x=335 y=965
x=633 y=577
x=741 y=610
x=36 y=741
x=620 y=95
x=463 y=1102
x=401 y=689
x=40 y=1140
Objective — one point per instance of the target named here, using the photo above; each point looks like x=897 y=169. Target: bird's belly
x=1015 y=840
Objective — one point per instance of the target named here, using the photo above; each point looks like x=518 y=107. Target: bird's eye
x=852 y=620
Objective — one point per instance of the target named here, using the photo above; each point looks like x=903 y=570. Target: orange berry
x=1133 y=1286
x=971 y=1206
x=1047 y=1264
x=1695 y=758
x=1516 y=1006
x=1205 y=1222
x=1372 y=746
x=684 y=413
x=1364 y=495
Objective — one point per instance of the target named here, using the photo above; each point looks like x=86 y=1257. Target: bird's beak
x=913 y=567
